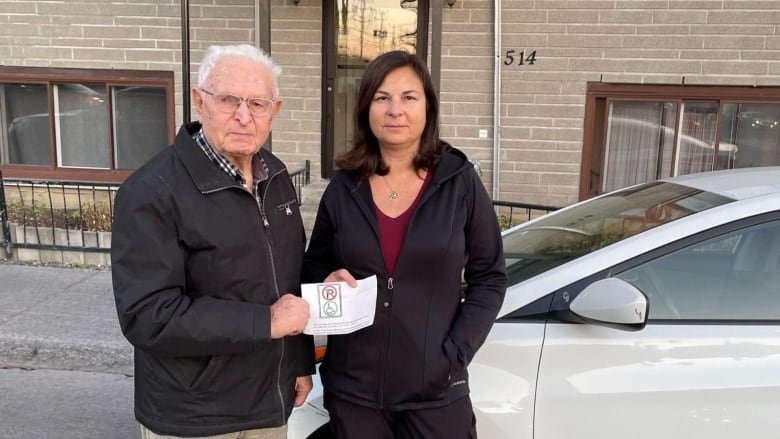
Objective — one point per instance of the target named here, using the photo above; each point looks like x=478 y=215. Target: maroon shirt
x=392 y=231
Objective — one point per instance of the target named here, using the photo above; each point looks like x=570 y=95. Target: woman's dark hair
x=364 y=158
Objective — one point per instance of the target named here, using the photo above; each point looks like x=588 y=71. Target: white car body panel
x=502 y=377
x=701 y=381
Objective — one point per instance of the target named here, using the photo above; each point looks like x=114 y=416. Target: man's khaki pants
x=264 y=433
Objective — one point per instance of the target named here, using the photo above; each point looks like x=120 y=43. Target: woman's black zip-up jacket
x=196 y=263
x=427 y=328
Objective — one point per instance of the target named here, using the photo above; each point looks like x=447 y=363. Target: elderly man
x=206 y=257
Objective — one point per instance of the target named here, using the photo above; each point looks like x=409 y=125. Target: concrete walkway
x=60 y=318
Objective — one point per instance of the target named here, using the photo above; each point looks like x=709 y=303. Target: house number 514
x=519 y=58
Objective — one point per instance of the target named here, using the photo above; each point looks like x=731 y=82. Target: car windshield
x=562 y=236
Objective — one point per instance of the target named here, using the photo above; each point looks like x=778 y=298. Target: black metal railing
x=300 y=178
x=53 y=215
x=511 y=213
x=5 y=229
x=48 y=215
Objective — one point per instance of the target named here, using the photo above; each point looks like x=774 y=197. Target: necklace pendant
x=393 y=195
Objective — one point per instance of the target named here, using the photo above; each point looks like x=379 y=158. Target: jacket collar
x=204 y=173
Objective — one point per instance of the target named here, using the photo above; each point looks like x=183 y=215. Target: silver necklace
x=393 y=193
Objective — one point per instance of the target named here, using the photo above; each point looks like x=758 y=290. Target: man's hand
x=289 y=316
x=303 y=386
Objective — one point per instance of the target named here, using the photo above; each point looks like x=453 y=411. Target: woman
x=408 y=208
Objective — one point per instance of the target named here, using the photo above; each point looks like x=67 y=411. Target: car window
x=567 y=234
x=734 y=276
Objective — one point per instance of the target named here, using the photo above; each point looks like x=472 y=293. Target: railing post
x=308 y=172
x=5 y=228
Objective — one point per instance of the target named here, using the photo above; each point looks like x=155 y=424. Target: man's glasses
x=259 y=107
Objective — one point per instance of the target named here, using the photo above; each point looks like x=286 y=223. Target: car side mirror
x=612 y=302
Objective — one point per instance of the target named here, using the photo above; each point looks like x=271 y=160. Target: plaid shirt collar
x=259 y=168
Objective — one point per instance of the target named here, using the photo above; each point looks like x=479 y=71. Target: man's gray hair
x=215 y=53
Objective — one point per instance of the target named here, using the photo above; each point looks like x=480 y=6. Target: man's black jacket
x=195 y=271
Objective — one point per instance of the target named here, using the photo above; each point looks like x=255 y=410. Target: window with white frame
x=75 y=124
x=639 y=133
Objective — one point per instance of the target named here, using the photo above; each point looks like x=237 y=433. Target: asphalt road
x=57 y=404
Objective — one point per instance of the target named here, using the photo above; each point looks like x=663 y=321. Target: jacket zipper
x=390 y=286
x=266 y=225
x=388 y=314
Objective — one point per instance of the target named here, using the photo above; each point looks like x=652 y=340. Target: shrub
x=92 y=217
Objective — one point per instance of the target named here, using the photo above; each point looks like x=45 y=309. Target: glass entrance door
x=355 y=32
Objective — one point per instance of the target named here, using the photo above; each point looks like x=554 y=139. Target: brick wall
x=542 y=105
x=732 y=42
x=146 y=35
x=296 y=43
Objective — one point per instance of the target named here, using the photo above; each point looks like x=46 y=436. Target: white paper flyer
x=335 y=308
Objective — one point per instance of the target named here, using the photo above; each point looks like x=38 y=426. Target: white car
x=648 y=312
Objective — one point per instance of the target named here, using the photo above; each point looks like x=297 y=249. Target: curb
x=54 y=354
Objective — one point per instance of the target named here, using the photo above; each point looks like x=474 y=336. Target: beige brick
x=509 y=16
x=111 y=32
x=678 y=17
x=663 y=29
x=27 y=19
x=467 y=39
x=625 y=17
x=755 y=55
x=152 y=21
x=129 y=44
x=710 y=54
x=160 y=33
x=602 y=29
x=670 y=42
x=641 y=4
x=98 y=54
x=48 y=52
x=585 y=41
x=19 y=30
x=733 y=30
x=581 y=16
x=734 y=42
x=221 y=36
x=220 y=11
x=744 y=17
x=18 y=7
x=559 y=179
x=574 y=4
x=481 y=16
x=773 y=43
x=695 y=4
x=735 y=68
x=663 y=66
x=557 y=134
x=149 y=55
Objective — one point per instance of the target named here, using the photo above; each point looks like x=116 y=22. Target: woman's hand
x=342 y=275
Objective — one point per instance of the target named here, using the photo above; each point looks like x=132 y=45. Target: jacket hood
x=453 y=162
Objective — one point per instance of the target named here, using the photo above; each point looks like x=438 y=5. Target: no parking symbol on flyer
x=330 y=300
